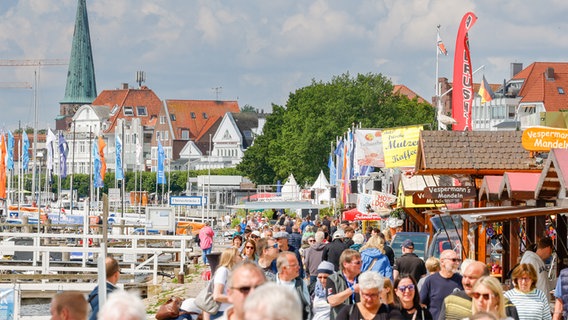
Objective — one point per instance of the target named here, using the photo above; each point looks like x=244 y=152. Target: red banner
x=462 y=95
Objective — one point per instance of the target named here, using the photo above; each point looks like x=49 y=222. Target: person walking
x=531 y=303
x=206 y=235
x=333 y=250
x=313 y=256
x=536 y=259
x=342 y=287
x=408 y=299
x=374 y=258
x=289 y=275
x=112 y=272
x=245 y=277
x=409 y=262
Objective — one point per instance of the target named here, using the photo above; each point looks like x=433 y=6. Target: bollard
x=181 y=277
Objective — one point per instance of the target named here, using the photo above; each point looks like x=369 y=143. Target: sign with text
x=369 y=148
x=7 y=302
x=161 y=218
x=400 y=146
x=195 y=201
x=544 y=139
x=420 y=197
x=450 y=192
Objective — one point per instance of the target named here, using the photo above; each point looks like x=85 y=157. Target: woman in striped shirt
x=531 y=303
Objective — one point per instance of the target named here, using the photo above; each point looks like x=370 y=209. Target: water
x=35 y=310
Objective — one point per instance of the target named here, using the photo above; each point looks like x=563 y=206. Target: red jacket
x=206 y=237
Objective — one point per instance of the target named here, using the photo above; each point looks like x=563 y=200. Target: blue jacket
x=382 y=265
x=94 y=299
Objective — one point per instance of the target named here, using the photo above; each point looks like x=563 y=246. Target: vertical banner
x=462 y=96
x=7 y=303
x=25 y=151
x=161 y=175
x=118 y=158
x=400 y=146
x=63 y=152
x=369 y=148
x=97 y=179
x=3 y=167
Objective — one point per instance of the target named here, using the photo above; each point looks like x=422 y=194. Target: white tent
x=290 y=189
x=321 y=188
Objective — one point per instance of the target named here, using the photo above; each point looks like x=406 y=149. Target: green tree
x=298 y=138
x=248 y=108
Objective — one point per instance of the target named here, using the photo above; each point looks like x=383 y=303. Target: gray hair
x=273 y=301
x=358 y=238
x=371 y=280
x=123 y=305
x=319 y=236
x=282 y=260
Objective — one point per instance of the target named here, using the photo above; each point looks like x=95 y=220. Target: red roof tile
x=519 y=185
x=489 y=189
x=536 y=88
x=400 y=89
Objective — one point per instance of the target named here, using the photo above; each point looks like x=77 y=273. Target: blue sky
x=261 y=51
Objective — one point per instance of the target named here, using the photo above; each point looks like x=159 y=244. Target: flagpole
x=438 y=102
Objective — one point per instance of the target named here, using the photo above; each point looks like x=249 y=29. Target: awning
x=494 y=214
x=356 y=215
x=292 y=205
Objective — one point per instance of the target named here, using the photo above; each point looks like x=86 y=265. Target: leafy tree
x=248 y=108
x=298 y=138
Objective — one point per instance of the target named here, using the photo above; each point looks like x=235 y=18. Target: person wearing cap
x=320 y=306
x=409 y=262
x=282 y=240
x=333 y=250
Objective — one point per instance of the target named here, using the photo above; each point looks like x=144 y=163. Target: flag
x=485 y=91
x=102 y=146
x=161 y=176
x=462 y=97
x=441 y=46
x=118 y=162
x=332 y=170
x=63 y=152
x=49 y=145
x=3 y=167
x=138 y=152
x=10 y=149
x=97 y=180
x=26 y=151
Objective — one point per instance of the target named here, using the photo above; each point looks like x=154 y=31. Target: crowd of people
x=329 y=269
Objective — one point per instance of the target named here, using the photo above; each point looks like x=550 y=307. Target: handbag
x=204 y=299
x=169 y=310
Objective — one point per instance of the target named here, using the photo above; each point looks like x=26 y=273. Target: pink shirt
x=206 y=237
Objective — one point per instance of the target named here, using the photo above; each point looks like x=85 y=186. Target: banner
x=462 y=96
x=26 y=151
x=161 y=176
x=332 y=170
x=544 y=139
x=3 y=167
x=118 y=158
x=7 y=303
x=10 y=149
x=97 y=180
x=102 y=146
x=369 y=148
x=63 y=151
x=400 y=146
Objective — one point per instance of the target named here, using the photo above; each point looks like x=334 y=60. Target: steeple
x=81 y=87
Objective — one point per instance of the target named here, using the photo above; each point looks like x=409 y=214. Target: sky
x=258 y=52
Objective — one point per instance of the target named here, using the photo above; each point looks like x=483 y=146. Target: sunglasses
x=311 y=240
x=254 y=237
x=275 y=246
x=249 y=247
x=404 y=288
x=454 y=259
x=485 y=296
x=244 y=290
x=322 y=277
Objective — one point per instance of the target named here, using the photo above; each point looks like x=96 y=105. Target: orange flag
x=102 y=146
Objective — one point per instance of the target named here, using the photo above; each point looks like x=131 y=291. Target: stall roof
x=553 y=181
x=489 y=189
x=472 y=152
x=293 y=205
x=519 y=185
x=517 y=213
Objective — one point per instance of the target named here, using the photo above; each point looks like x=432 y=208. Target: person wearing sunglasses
x=229 y=258
x=313 y=256
x=243 y=280
x=488 y=296
x=249 y=250
x=531 y=303
x=370 y=306
x=343 y=287
x=408 y=299
x=267 y=251
x=320 y=306
x=440 y=285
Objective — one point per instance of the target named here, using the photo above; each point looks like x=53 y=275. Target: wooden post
x=465 y=241
x=481 y=244
x=514 y=244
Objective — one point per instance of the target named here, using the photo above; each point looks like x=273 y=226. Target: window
x=141 y=110
x=185 y=134
x=172 y=117
x=157 y=135
x=166 y=135
x=162 y=119
x=193 y=115
x=114 y=109
x=204 y=115
x=560 y=90
x=129 y=111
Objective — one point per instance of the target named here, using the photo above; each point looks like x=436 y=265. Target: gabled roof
x=519 y=185
x=142 y=97
x=400 y=89
x=536 y=88
x=489 y=189
x=198 y=116
x=472 y=152
x=246 y=122
x=553 y=182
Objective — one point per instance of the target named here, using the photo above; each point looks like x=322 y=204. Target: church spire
x=81 y=87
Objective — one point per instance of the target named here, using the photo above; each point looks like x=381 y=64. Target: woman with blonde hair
x=373 y=257
x=228 y=259
x=387 y=294
x=488 y=296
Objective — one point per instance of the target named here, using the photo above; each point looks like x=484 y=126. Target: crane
x=16 y=85
x=32 y=62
